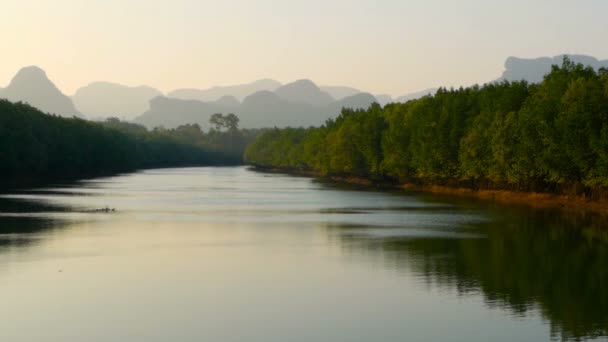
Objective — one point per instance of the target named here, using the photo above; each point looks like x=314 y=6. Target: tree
x=217 y=121
x=230 y=122
x=39 y=147
x=551 y=136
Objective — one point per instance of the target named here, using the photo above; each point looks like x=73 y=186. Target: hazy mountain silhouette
x=516 y=69
x=361 y=100
x=304 y=91
x=261 y=109
x=228 y=101
x=416 y=95
x=104 y=99
x=263 y=103
x=239 y=92
x=340 y=92
x=31 y=85
x=171 y=112
x=261 y=99
x=533 y=70
x=384 y=99
x=267 y=109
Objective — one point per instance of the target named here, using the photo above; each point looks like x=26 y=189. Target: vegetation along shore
x=37 y=147
x=512 y=141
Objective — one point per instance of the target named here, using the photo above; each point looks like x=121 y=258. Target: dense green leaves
x=552 y=136
x=35 y=146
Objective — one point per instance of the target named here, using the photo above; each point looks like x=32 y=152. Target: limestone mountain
x=304 y=91
x=228 y=101
x=358 y=101
x=534 y=69
x=384 y=99
x=171 y=112
x=268 y=109
x=416 y=95
x=239 y=92
x=261 y=109
x=340 y=92
x=31 y=85
x=105 y=99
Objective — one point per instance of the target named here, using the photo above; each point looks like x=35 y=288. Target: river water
x=230 y=254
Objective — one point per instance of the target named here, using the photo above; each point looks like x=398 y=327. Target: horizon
x=185 y=45
x=304 y=170
x=166 y=92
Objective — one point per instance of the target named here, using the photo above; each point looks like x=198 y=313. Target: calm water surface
x=228 y=254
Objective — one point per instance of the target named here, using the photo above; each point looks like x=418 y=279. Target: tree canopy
x=220 y=121
x=35 y=146
x=550 y=137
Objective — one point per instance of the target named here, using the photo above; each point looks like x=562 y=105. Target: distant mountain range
x=416 y=95
x=239 y=92
x=104 y=99
x=340 y=92
x=304 y=92
x=31 y=85
x=300 y=103
x=533 y=70
x=263 y=103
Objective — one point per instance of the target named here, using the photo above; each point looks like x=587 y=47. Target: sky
x=380 y=46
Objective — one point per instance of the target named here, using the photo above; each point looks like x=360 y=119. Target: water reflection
x=527 y=261
x=226 y=244
x=23 y=222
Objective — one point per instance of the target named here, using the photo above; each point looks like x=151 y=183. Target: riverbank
x=14 y=184
x=531 y=199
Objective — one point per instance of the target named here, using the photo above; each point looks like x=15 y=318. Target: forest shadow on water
x=24 y=222
x=523 y=261
x=382 y=265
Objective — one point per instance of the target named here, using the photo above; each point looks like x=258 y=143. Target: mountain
x=361 y=100
x=261 y=109
x=31 y=85
x=533 y=70
x=384 y=99
x=340 y=92
x=304 y=91
x=104 y=99
x=238 y=91
x=416 y=95
x=227 y=101
x=258 y=110
x=267 y=109
x=170 y=112
x=262 y=100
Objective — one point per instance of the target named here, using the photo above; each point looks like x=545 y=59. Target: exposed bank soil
x=533 y=199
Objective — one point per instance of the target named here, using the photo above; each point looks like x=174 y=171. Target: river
x=230 y=254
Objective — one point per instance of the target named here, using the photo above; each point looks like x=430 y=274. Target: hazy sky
x=383 y=46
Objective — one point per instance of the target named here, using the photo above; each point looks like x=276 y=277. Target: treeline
x=547 y=137
x=35 y=146
x=222 y=147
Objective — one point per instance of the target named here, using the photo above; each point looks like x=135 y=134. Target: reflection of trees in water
x=554 y=262
x=22 y=231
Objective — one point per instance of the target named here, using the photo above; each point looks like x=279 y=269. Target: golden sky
x=381 y=46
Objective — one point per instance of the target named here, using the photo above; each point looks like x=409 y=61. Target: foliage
x=550 y=137
x=219 y=121
x=35 y=146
